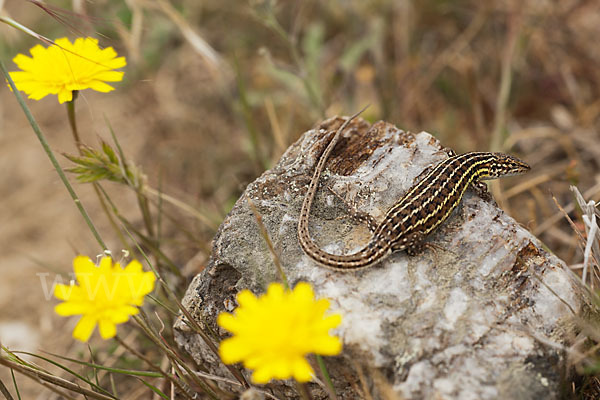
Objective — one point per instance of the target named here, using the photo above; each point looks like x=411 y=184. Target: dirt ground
x=42 y=230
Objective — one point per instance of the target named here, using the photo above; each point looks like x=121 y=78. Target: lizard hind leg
x=413 y=243
x=358 y=215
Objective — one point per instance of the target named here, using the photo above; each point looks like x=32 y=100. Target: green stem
x=14 y=381
x=143 y=204
x=326 y=377
x=50 y=155
x=73 y=122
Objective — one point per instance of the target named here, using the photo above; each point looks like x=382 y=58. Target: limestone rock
x=467 y=319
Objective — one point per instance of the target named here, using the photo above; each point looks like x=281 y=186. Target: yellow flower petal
x=227 y=321
x=330 y=322
x=67 y=309
x=304 y=291
x=63 y=292
x=232 y=350
x=64 y=67
x=282 y=369
x=84 y=328
x=106 y=265
x=106 y=294
x=275 y=292
x=262 y=375
x=328 y=345
x=302 y=371
x=107 y=329
x=246 y=298
x=99 y=86
x=122 y=314
x=83 y=266
x=273 y=333
x=134 y=267
x=63 y=96
x=145 y=284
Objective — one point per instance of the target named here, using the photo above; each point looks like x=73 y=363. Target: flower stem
x=327 y=378
x=79 y=144
x=50 y=154
x=72 y=121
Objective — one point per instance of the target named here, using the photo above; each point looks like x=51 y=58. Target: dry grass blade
x=3 y=388
x=199 y=215
x=593 y=192
x=11 y=22
x=132 y=37
x=565 y=214
x=500 y=113
x=276 y=130
x=209 y=54
x=592 y=249
x=454 y=50
x=363 y=381
x=41 y=376
x=265 y=235
x=170 y=377
x=176 y=360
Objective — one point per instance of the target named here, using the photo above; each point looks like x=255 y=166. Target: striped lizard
x=425 y=206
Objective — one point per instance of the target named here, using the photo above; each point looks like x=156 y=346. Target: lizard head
x=501 y=165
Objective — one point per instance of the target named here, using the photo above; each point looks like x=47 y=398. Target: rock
x=470 y=318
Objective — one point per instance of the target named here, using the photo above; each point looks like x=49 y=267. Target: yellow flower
x=62 y=68
x=106 y=295
x=273 y=333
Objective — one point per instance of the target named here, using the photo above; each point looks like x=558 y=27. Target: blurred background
x=215 y=91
